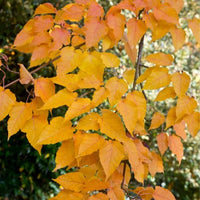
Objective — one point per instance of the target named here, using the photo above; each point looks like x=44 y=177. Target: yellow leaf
x=178 y=37
x=69 y=195
x=157 y=120
x=25 y=76
x=158 y=78
x=145 y=75
x=7 y=100
x=78 y=107
x=111 y=155
x=156 y=165
x=162 y=194
x=129 y=75
x=16 y=121
x=176 y=146
x=44 y=88
x=180 y=129
x=61 y=98
x=89 y=122
x=45 y=8
x=90 y=143
x=166 y=93
x=193 y=123
x=99 y=96
x=99 y=196
x=111 y=125
x=116 y=87
x=181 y=82
x=129 y=112
x=160 y=59
x=65 y=154
x=161 y=29
x=131 y=51
x=110 y=60
x=185 y=106
x=171 y=117
x=145 y=193
x=57 y=131
x=71 y=181
x=194 y=24
x=136 y=29
x=176 y=4
x=33 y=128
x=162 y=141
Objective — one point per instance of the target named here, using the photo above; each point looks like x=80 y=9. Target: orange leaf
x=99 y=196
x=176 y=4
x=90 y=143
x=162 y=141
x=45 y=8
x=181 y=82
x=111 y=125
x=144 y=193
x=194 y=24
x=111 y=155
x=95 y=10
x=171 y=117
x=65 y=151
x=116 y=23
x=167 y=13
x=116 y=193
x=89 y=122
x=78 y=107
x=166 y=93
x=91 y=34
x=71 y=181
x=178 y=37
x=56 y=131
x=7 y=100
x=145 y=75
x=129 y=112
x=193 y=123
x=44 y=88
x=156 y=165
x=61 y=98
x=176 y=146
x=158 y=78
x=136 y=29
x=25 y=76
x=116 y=87
x=157 y=120
x=182 y=110
x=180 y=129
x=162 y=194
x=160 y=59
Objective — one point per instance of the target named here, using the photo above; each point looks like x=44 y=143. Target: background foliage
x=24 y=174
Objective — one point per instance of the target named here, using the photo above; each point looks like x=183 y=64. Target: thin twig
x=138 y=61
x=124 y=174
x=35 y=70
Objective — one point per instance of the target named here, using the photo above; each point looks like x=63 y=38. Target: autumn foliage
x=101 y=134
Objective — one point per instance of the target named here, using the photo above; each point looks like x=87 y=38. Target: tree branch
x=138 y=61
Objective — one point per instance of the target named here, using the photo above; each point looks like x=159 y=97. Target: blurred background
x=24 y=174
